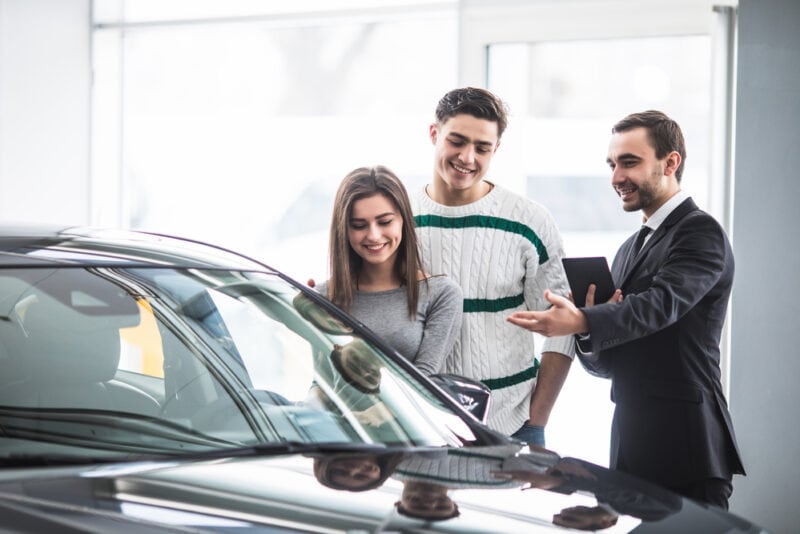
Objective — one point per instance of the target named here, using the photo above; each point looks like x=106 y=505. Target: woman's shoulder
x=441 y=283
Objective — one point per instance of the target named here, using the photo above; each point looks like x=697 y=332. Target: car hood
x=304 y=493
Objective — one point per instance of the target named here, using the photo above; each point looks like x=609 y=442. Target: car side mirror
x=473 y=395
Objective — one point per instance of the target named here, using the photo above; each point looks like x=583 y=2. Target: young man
x=658 y=337
x=504 y=251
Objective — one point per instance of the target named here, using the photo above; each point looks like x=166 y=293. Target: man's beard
x=646 y=192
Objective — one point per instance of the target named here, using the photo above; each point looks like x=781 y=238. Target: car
x=150 y=383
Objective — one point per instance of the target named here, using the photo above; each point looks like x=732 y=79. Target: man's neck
x=441 y=193
x=652 y=209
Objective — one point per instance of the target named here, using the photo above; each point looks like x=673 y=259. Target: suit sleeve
x=591 y=361
x=665 y=286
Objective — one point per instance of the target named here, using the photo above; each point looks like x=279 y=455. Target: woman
x=376 y=271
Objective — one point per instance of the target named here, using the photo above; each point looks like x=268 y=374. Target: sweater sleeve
x=442 y=324
x=548 y=274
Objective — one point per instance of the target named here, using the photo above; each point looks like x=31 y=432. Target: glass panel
x=239 y=132
x=571 y=93
x=141 y=349
x=564 y=96
x=139 y=11
x=243 y=358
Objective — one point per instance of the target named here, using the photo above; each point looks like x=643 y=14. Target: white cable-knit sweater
x=504 y=251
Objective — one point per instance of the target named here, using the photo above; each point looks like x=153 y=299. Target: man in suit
x=658 y=337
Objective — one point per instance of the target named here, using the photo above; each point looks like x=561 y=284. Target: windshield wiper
x=51 y=460
x=256 y=450
x=293 y=447
x=105 y=430
x=132 y=437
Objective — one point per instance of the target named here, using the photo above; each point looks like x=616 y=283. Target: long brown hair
x=345 y=264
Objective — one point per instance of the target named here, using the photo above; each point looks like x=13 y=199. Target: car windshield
x=117 y=362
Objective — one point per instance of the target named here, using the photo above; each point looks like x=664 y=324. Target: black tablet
x=584 y=271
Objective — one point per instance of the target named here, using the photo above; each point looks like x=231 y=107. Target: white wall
x=44 y=111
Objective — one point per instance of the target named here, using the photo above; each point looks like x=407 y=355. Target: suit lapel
x=684 y=208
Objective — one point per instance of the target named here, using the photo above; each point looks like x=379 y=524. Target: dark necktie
x=637 y=245
x=640 y=237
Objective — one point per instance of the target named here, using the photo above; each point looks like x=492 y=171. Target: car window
x=169 y=361
x=141 y=350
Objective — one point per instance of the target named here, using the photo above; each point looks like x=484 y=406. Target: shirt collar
x=663 y=212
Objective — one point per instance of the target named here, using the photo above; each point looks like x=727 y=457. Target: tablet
x=584 y=271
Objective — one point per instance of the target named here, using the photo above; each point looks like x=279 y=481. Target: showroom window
x=236 y=124
x=565 y=97
x=568 y=71
x=233 y=122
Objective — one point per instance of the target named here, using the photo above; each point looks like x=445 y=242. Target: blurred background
x=235 y=121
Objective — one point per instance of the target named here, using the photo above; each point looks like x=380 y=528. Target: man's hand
x=616 y=297
x=533 y=479
x=562 y=319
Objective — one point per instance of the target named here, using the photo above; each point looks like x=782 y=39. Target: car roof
x=40 y=246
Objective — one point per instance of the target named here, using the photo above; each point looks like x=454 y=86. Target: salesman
x=658 y=337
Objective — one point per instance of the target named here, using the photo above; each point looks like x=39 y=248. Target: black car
x=155 y=384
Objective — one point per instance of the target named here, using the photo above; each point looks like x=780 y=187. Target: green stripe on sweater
x=448 y=479
x=493 y=305
x=484 y=221
x=513 y=380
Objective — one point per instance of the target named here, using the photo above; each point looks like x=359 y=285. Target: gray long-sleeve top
x=424 y=340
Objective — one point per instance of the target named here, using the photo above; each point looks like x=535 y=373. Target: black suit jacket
x=660 y=347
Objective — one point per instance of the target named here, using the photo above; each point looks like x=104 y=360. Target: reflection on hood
x=468 y=467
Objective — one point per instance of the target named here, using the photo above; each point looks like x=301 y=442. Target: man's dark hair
x=664 y=133
x=474 y=101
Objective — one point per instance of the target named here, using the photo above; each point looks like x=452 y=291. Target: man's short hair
x=479 y=103
x=664 y=133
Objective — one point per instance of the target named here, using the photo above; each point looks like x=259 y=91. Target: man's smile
x=460 y=169
x=626 y=191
